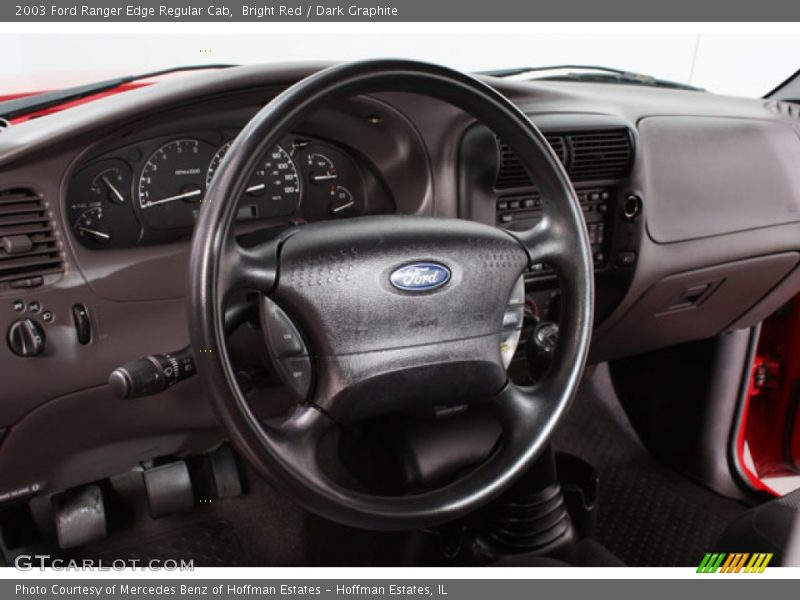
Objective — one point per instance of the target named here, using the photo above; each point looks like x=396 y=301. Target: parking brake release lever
x=152 y=374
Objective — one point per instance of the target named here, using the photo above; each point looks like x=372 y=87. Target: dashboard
x=691 y=202
x=598 y=153
x=152 y=191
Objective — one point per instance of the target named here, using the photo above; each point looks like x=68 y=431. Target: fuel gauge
x=342 y=200
x=90 y=226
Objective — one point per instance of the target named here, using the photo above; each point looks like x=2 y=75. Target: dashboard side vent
x=787 y=110
x=559 y=146
x=601 y=155
x=511 y=173
x=28 y=246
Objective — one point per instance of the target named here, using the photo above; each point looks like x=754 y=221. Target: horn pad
x=400 y=310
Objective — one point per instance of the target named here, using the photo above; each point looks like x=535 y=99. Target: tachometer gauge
x=173 y=182
x=89 y=226
x=274 y=187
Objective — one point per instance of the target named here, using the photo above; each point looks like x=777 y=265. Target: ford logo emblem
x=420 y=277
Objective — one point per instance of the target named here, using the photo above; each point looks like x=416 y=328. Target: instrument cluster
x=152 y=192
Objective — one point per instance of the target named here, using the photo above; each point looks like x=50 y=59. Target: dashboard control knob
x=632 y=207
x=540 y=349
x=26 y=338
x=545 y=337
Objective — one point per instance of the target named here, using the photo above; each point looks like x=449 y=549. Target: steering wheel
x=396 y=311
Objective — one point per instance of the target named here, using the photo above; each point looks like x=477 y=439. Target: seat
x=769 y=527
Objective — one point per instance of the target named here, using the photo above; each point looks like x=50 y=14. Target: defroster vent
x=28 y=246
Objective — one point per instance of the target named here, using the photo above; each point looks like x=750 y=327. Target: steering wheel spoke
x=253 y=268
x=523 y=411
x=296 y=438
x=549 y=243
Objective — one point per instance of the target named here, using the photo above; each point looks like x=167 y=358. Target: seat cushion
x=768 y=527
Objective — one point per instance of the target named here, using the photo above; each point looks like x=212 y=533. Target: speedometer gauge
x=171 y=181
x=274 y=186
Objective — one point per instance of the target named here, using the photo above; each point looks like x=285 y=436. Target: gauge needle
x=94 y=232
x=114 y=190
x=341 y=207
x=326 y=177
x=256 y=188
x=183 y=196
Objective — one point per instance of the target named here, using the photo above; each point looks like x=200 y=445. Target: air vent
x=587 y=156
x=512 y=174
x=605 y=155
x=27 y=244
x=787 y=110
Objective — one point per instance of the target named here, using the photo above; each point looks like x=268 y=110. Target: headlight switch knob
x=26 y=338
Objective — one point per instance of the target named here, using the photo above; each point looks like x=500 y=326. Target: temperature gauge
x=110 y=185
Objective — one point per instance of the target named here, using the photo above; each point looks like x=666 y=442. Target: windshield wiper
x=10 y=109
x=591 y=73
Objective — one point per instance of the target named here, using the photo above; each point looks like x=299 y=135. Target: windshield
x=742 y=65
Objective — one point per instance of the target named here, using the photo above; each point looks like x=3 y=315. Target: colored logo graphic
x=737 y=562
x=420 y=277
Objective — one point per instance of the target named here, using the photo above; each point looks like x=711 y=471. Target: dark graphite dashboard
x=691 y=200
